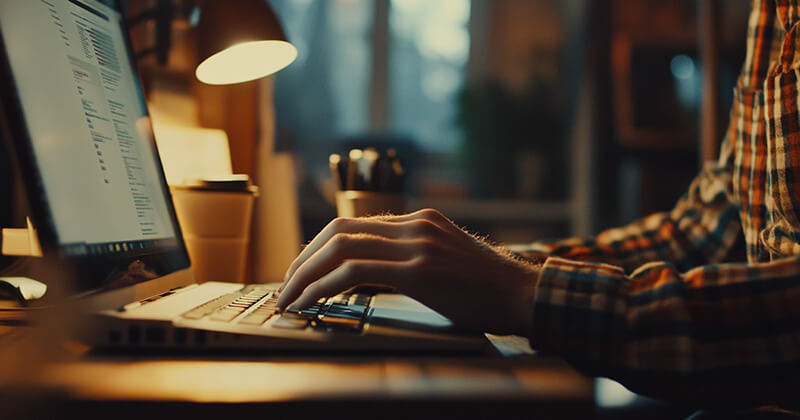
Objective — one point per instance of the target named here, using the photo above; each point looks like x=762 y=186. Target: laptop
x=74 y=113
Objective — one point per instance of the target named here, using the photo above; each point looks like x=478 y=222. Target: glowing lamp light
x=240 y=41
x=246 y=61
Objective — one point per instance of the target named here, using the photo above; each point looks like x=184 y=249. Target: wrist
x=525 y=299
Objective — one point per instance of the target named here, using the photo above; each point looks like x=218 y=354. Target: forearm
x=729 y=332
x=700 y=229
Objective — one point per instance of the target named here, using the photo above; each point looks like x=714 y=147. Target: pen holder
x=353 y=203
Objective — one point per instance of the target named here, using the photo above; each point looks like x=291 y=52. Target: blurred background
x=519 y=119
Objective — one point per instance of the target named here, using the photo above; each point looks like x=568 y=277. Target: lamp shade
x=239 y=41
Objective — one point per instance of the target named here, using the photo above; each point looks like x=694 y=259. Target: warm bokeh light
x=246 y=61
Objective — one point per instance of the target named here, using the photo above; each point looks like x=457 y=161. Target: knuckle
x=427 y=247
x=300 y=271
x=423 y=227
x=350 y=269
x=339 y=224
x=292 y=267
x=431 y=214
x=420 y=264
x=341 y=240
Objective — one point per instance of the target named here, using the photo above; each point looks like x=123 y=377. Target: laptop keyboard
x=264 y=311
x=229 y=306
x=344 y=312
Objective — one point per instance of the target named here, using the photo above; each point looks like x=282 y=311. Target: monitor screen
x=91 y=138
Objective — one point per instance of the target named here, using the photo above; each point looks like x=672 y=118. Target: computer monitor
x=74 y=110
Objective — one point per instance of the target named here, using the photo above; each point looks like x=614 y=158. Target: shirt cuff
x=580 y=309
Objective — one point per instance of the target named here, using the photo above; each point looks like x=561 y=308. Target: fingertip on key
x=281 y=304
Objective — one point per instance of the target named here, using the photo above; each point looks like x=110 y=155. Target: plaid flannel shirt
x=652 y=305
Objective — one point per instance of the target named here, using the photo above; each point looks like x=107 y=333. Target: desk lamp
x=240 y=41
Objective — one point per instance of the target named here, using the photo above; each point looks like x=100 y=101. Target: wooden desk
x=300 y=386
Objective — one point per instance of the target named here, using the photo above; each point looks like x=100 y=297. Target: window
x=324 y=95
x=429 y=50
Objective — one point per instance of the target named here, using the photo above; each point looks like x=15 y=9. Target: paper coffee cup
x=215 y=217
x=217 y=259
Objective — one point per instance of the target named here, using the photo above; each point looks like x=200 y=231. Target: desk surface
x=305 y=385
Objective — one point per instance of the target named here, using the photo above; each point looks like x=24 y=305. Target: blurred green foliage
x=500 y=126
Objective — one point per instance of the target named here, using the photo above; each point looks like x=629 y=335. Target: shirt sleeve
x=650 y=304
x=700 y=229
x=720 y=332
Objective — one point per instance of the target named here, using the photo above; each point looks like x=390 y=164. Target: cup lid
x=227 y=183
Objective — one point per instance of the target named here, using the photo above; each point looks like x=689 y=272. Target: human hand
x=422 y=255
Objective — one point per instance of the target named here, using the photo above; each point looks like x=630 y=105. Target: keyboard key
x=337 y=321
x=341 y=299
x=350 y=312
x=309 y=313
x=243 y=298
x=256 y=318
x=194 y=314
x=211 y=306
x=362 y=300
x=224 y=315
x=290 y=322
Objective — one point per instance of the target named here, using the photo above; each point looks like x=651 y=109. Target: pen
x=368 y=169
x=354 y=180
x=397 y=172
x=339 y=170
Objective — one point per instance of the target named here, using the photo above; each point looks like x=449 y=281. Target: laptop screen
x=89 y=132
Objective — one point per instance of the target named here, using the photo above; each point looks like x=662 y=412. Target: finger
x=343 y=247
x=348 y=275
x=405 y=229
x=341 y=225
x=431 y=215
x=422 y=220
